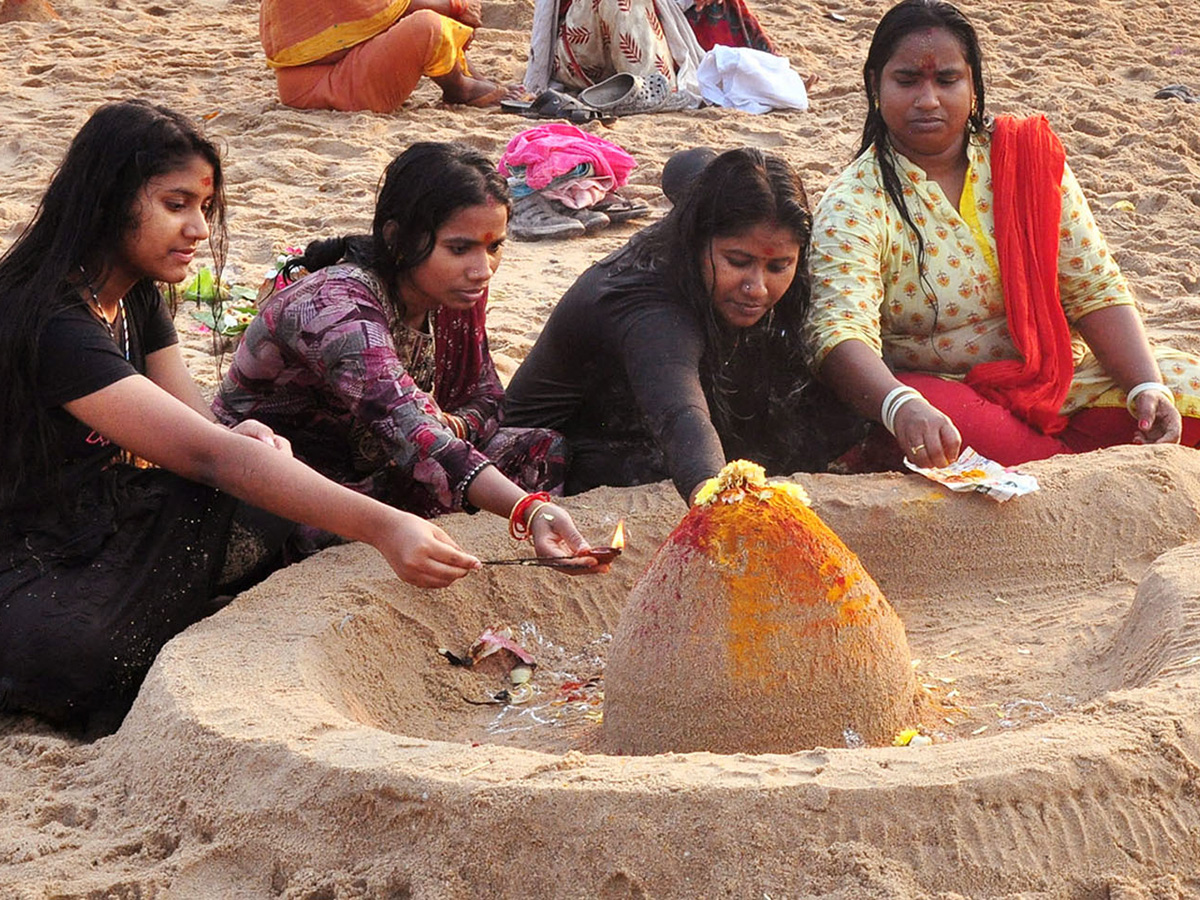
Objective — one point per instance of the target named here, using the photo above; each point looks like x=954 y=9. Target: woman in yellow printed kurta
x=912 y=303
x=370 y=54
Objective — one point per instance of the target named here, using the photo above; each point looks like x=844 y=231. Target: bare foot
x=466 y=90
x=27 y=11
x=810 y=81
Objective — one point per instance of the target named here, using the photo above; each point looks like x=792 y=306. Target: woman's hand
x=469 y=12
x=1158 y=420
x=555 y=535
x=260 y=432
x=927 y=435
x=421 y=553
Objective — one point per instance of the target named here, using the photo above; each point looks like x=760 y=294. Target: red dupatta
x=1027 y=168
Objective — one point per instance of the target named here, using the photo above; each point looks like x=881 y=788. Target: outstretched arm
x=148 y=421
x=857 y=375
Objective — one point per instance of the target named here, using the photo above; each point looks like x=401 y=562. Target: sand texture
x=310 y=743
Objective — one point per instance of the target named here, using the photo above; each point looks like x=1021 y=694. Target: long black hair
x=421 y=190
x=899 y=22
x=89 y=208
x=736 y=191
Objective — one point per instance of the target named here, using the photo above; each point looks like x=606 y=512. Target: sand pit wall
x=291 y=739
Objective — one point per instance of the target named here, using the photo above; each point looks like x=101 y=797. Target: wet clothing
x=101 y=561
x=620 y=370
x=328 y=365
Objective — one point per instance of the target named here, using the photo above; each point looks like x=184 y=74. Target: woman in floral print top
x=911 y=293
x=376 y=366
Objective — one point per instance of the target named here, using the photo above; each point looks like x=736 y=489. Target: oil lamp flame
x=618 y=538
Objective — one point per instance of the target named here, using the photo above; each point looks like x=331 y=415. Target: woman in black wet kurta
x=101 y=561
x=681 y=350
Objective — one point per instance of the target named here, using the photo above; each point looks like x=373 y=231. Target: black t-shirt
x=619 y=366
x=77 y=356
x=620 y=359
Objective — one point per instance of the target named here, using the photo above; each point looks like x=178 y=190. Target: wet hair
x=421 y=190
x=88 y=210
x=899 y=22
x=682 y=170
x=737 y=191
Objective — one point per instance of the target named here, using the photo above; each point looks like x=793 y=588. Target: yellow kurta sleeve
x=850 y=235
x=1088 y=276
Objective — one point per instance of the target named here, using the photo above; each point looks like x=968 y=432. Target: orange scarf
x=1027 y=169
x=296 y=34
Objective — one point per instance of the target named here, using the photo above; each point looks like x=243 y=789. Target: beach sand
x=310 y=742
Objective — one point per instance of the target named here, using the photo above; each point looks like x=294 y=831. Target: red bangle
x=518 y=527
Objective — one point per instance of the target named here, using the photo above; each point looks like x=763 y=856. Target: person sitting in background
x=962 y=293
x=682 y=350
x=376 y=364
x=370 y=54
x=729 y=23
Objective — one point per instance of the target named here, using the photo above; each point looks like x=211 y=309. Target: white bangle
x=895 y=399
x=1138 y=389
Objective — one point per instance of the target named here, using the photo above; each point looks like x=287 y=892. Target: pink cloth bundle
x=551 y=150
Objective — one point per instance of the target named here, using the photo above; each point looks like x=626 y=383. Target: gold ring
x=913 y=451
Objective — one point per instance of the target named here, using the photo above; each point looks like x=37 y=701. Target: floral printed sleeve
x=1088 y=276
x=849 y=244
x=351 y=347
x=481 y=411
x=320 y=366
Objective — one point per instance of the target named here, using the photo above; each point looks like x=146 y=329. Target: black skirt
x=91 y=591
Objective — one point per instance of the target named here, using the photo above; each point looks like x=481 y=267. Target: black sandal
x=620 y=208
x=552 y=104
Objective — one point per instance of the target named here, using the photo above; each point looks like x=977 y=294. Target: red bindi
x=206 y=180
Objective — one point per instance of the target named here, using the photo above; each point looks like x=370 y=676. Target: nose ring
x=746 y=287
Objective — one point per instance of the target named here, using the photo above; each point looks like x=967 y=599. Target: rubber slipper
x=515 y=106
x=621 y=209
x=534 y=219
x=1177 y=92
x=625 y=94
x=552 y=104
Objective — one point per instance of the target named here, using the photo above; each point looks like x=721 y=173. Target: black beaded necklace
x=123 y=342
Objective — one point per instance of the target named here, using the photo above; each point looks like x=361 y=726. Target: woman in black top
x=103 y=561
x=682 y=350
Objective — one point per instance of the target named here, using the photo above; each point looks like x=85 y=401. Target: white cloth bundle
x=750 y=80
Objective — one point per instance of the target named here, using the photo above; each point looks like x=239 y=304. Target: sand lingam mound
x=756 y=630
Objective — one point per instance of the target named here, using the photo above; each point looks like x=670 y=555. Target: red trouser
x=996 y=433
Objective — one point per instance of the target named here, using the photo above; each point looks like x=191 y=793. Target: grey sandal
x=625 y=95
x=534 y=219
x=591 y=217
